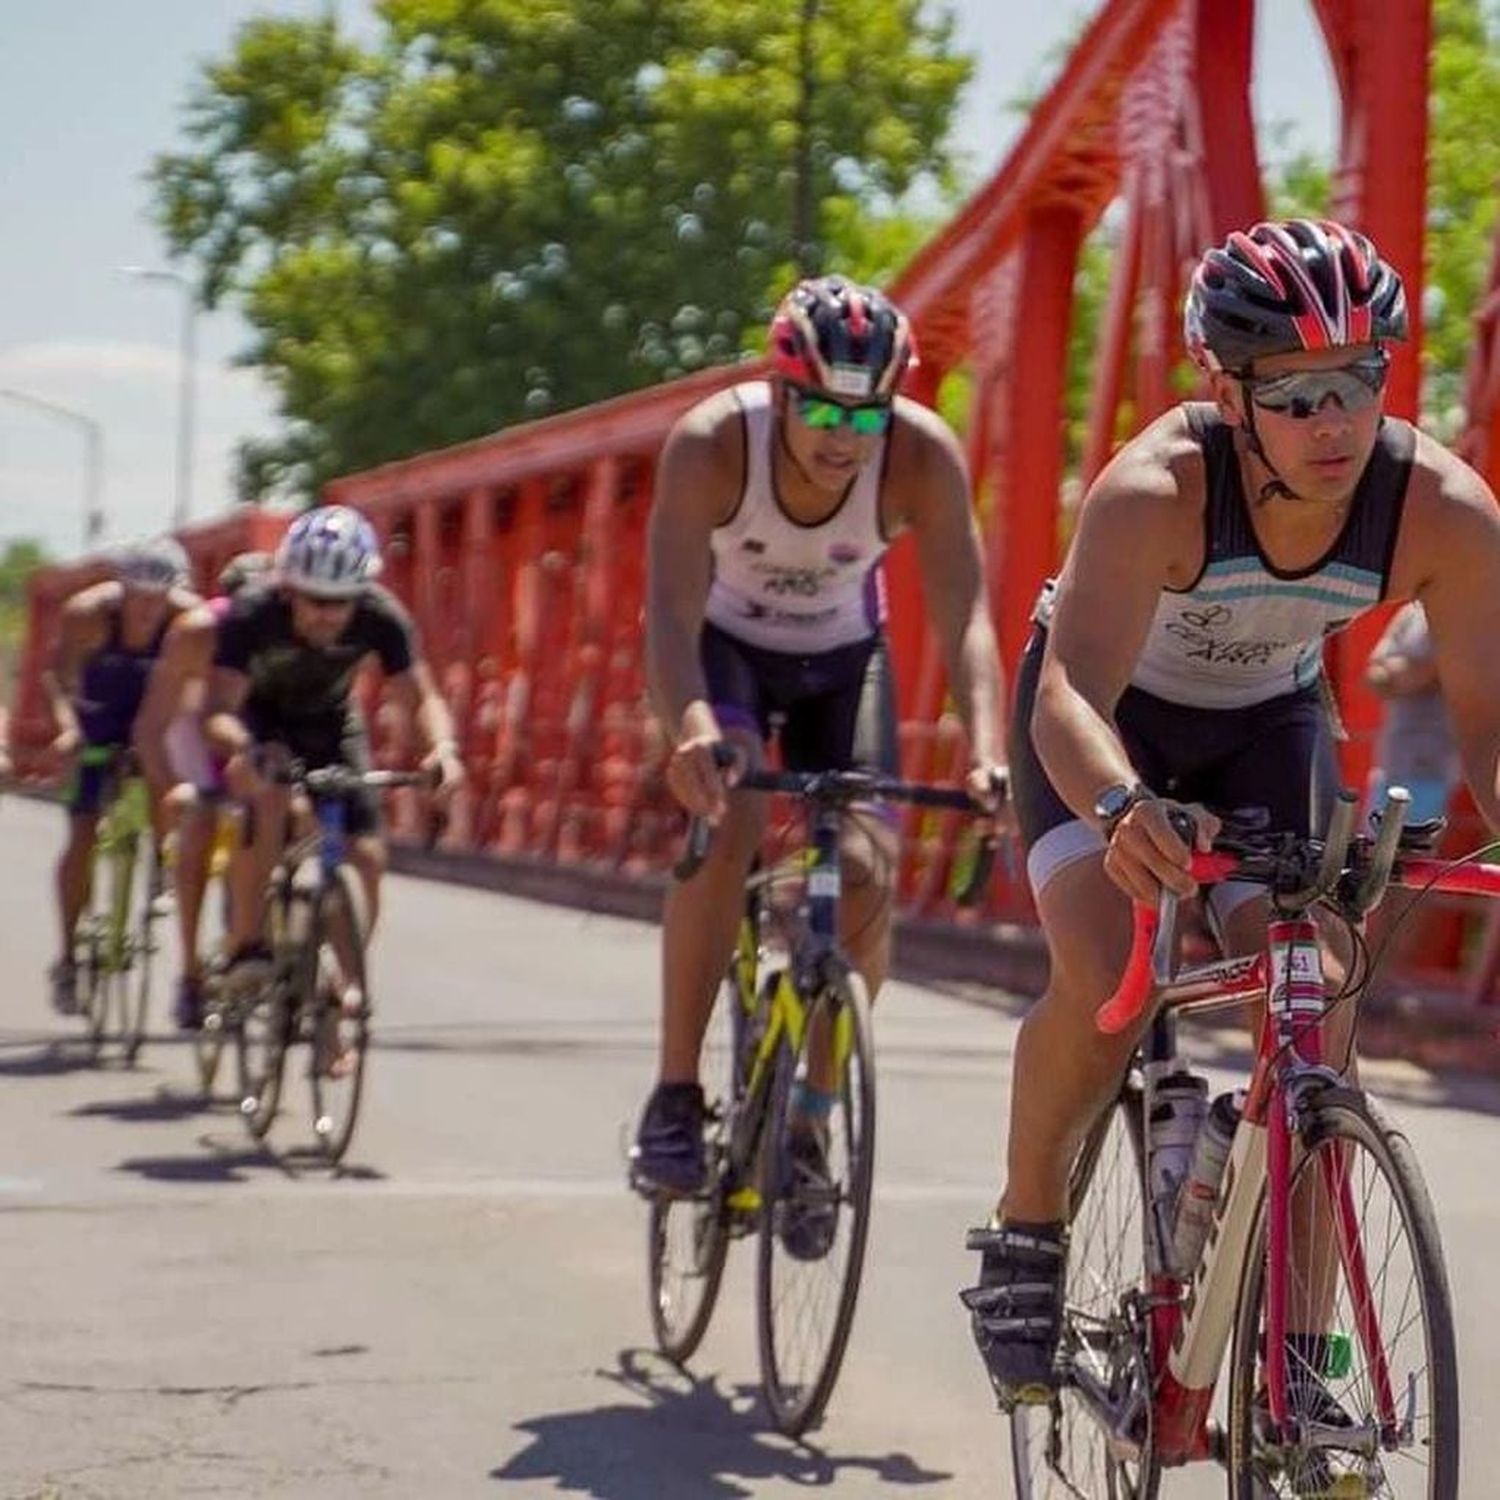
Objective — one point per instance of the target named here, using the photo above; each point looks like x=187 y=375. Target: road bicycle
x=1320 y=1271
x=790 y=1008
x=116 y=938
x=316 y=992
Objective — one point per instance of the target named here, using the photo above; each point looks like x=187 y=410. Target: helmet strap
x=785 y=446
x=1275 y=485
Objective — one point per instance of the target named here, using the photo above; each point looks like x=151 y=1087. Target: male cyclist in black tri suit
x=1179 y=664
x=284 y=668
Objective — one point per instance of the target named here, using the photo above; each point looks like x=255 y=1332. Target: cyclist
x=172 y=748
x=285 y=662
x=1179 y=663
x=775 y=502
x=111 y=634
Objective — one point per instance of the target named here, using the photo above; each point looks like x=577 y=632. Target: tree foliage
x=509 y=207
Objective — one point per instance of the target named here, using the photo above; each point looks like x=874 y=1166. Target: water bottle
x=1200 y=1193
x=1177 y=1101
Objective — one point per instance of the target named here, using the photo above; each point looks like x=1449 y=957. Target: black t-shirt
x=294 y=683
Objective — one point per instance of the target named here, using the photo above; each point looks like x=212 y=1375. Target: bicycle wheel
x=1357 y=1170
x=142 y=948
x=111 y=1010
x=814 y=1223
x=262 y=1021
x=339 y=1001
x=1067 y=1448
x=687 y=1239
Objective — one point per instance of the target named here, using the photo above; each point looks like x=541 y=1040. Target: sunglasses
x=327 y=602
x=827 y=416
x=1300 y=393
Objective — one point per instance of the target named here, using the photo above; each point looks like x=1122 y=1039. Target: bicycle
x=780 y=1007
x=317 y=991
x=115 y=939
x=1320 y=1267
x=212 y=1037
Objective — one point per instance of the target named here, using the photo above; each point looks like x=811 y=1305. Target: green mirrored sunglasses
x=825 y=415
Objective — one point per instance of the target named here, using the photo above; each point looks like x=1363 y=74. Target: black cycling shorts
x=1277 y=755
x=837 y=709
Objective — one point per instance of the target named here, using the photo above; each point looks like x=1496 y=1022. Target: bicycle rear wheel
x=814 y=1226
x=339 y=1010
x=687 y=1239
x=1383 y=1272
x=1065 y=1449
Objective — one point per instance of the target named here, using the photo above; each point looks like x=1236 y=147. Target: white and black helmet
x=153 y=566
x=330 y=551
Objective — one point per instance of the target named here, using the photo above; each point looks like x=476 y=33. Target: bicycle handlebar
x=1371 y=864
x=843 y=789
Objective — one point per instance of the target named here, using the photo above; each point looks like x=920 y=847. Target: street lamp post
x=187 y=358
x=93 y=472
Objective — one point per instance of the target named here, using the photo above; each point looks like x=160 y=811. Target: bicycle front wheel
x=339 y=1007
x=687 y=1239
x=1067 y=1448
x=1371 y=1371
x=815 y=1192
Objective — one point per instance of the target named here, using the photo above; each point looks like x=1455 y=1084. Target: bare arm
x=695 y=492
x=81 y=632
x=1461 y=553
x=226 y=730
x=186 y=656
x=935 y=490
x=417 y=696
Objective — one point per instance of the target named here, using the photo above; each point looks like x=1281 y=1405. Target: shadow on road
x=46 y=1059
x=160 y=1106
x=677 y=1434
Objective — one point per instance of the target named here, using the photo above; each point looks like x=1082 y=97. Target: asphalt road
x=463 y=1313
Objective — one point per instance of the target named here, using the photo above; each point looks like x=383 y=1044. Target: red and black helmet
x=830 y=334
x=1295 y=284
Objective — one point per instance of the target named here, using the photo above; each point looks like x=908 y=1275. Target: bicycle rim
x=1346 y=1138
x=338 y=1003
x=1063 y=1449
x=143 y=949
x=687 y=1239
x=805 y=1304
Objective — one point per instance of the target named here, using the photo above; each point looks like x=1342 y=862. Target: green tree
x=509 y=207
x=20 y=559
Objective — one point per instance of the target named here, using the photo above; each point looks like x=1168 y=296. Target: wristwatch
x=1111 y=805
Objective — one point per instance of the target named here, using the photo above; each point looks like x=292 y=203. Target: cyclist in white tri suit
x=775 y=502
x=1179 y=664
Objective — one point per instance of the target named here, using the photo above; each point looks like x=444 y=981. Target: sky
x=91 y=90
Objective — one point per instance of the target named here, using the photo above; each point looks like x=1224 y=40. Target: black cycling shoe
x=808 y=1210
x=668 y=1153
x=1016 y=1310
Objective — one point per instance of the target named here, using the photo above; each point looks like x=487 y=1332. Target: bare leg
x=195 y=836
x=73 y=872
x=1065 y=1069
x=250 y=867
x=699 y=922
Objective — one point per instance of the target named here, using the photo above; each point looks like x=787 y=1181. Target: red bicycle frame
x=1192 y=1315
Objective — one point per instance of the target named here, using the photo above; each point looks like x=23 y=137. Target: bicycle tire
x=1061 y=1449
x=142 y=949
x=679 y=1319
x=332 y=1031
x=263 y=1022
x=1349 y=1118
x=797 y=1390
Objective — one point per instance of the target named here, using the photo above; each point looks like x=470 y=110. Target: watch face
x=1113 y=801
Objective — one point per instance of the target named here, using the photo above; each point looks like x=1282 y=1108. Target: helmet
x=836 y=336
x=1298 y=284
x=241 y=569
x=154 y=566
x=329 y=551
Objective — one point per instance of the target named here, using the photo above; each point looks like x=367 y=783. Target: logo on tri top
x=752 y=545
x=844 y=553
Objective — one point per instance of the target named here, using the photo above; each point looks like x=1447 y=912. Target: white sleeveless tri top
x=784 y=586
